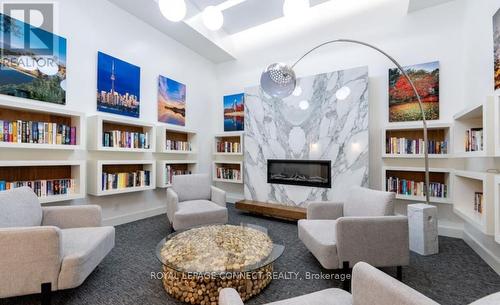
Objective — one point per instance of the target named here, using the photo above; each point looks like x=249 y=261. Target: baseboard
x=449 y=231
x=122 y=219
x=491 y=259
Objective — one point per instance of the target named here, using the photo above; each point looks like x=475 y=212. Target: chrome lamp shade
x=278 y=80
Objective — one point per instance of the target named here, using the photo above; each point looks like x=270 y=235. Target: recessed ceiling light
x=297 y=91
x=343 y=93
x=304 y=105
x=212 y=18
x=173 y=10
x=292 y=8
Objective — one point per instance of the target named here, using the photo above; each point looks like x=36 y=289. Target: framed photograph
x=171 y=101
x=118 y=86
x=496 y=47
x=403 y=104
x=33 y=70
x=234 y=112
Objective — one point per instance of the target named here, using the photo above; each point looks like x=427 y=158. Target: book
x=114 y=181
x=43 y=188
x=474 y=139
x=228 y=174
x=177 y=145
x=125 y=139
x=170 y=172
x=228 y=147
x=478 y=202
x=415 y=188
x=406 y=146
x=36 y=132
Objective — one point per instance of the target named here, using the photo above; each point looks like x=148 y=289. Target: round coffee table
x=199 y=262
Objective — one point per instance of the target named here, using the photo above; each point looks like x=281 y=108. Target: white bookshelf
x=77 y=169
x=95 y=170
x=466 y=184
x=496 y=208
x=478 y=116
x=447 y=173
x=98 y=124
x=227 y=164
x=232 y=137
x=436 y=131
x=176 y=133
x=161 y=175
x=495 y=101
x=40 y=112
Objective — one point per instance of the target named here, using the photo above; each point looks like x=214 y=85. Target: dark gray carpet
x=455 y=276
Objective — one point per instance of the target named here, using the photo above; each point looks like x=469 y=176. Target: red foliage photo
x=403 y=104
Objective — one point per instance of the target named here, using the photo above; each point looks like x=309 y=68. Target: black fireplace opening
x=314 y=173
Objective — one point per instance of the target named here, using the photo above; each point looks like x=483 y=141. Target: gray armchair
x=363 y=228
x=44 y=249
x=193 y=201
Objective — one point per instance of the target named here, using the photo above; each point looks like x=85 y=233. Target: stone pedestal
x=423 y=226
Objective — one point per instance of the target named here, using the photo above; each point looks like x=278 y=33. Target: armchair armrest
x=229 y=296
x=30 y=256
x=325 y=210
x=172 y=204
x=76 y=216
x=218 y=196
x=374 y=287
x=381 y=241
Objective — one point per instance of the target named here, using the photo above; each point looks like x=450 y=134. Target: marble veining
x=312 y=124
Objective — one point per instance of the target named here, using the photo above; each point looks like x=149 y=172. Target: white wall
x=97 y=25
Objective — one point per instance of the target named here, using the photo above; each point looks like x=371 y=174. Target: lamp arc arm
x=421 y=106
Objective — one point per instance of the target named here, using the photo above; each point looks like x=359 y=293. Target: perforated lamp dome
x=278 y=80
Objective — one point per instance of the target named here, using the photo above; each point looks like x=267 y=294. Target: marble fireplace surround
x=311 y=124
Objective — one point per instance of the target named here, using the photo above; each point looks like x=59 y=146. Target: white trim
x=491 y=259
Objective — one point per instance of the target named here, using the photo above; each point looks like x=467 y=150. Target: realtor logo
x=32 y=34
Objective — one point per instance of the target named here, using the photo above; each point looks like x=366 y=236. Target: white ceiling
x=251 y=21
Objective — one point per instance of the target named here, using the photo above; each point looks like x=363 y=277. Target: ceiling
x=250 y=21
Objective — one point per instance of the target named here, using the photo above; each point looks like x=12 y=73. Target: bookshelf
x=11 y=171
x=234 y=140
x=97 y=167
x=437 y=132
x=99 y=124
x=170 y=133
x=437 y=175
x=467 y=184
x=496 y=208
x=161 y=171
x=229 y=165
x=26 y=112
x=478 y=116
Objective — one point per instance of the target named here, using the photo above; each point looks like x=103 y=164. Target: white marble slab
x=423 y=228
x=329 y=129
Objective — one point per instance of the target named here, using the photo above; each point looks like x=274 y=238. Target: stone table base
x=204 y=289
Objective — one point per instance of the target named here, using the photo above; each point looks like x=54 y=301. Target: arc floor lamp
x=279 y=81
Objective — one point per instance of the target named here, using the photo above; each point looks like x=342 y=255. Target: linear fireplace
x=315 y=173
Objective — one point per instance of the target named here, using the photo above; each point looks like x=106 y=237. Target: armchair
x=193 y=201
x=44 y=249
x=363 y=228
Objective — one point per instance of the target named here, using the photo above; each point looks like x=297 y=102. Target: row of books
x=404 y=146
x=114 y=181
x=474 y=139
x=478 y=202
x=43 y=188
x=125 y=139
x=178 y=145
x=170 y=172
x=228 y=147
x=415 y=188
x=228 y=174
x=37 y=132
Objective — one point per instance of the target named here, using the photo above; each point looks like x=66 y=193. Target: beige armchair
x=363 y=228
x=369 y=286
x=44 y=249
x=193 y=201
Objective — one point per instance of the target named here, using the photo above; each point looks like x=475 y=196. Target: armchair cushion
x=219 y=196
x=192 y=187
x=366 y=202
x=83 y=249
x=198 y=212
x=332 y=296
x=325 y=210
x=20 y=208
x=319 y=236
x=75 y=216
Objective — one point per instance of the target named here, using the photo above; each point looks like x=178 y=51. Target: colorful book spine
x=37 y=132
x=43 y=188
x=415 y=188
x=228 y=147
x=228 y=174
x=474 y=139
x=177 y=145
x=170 y=172
x=115 y=181
x=125 y=139
x=405 y=146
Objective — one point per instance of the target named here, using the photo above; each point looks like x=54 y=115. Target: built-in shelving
x=161 y=171
x=437 y=175
x=467 y=184
x=228 y=165
x=496 y=208
x=23 y=111
x=437 y=132
x=96 y=168
x=164 y=134
x=228 y=144
x=18 y=171
x=99 y=124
